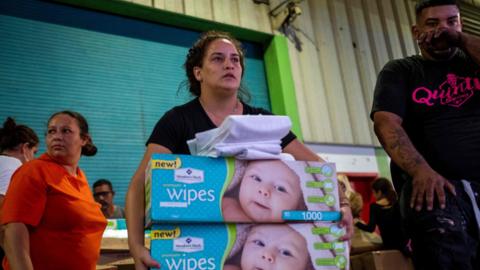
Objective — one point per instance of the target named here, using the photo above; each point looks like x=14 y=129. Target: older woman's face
x=63 y=138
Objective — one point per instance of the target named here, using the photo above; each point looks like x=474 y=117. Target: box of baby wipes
x=296 y=246
x=184 y=188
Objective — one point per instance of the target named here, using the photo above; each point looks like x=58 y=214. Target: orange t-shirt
x=64 y=222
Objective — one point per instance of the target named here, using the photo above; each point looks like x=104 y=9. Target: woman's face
x=29 y=152
x=63 y=138
x=221 y=69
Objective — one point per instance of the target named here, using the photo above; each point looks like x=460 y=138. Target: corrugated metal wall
x=243 y=13
x=348 y=42
x=345 y=44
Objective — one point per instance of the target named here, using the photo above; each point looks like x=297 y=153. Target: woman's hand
x=358 y=220
x=143 y=260
x=346 y=222
x=135 y=212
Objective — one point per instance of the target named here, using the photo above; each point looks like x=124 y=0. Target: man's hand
x=426 y=184
x=440 y=39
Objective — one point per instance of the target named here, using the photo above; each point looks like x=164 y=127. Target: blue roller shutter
x=121 y=74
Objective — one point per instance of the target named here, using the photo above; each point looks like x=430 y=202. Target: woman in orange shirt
x=51 y=220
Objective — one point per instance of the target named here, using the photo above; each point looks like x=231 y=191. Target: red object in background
x=362 y=183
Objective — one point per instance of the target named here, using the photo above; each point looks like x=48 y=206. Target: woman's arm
x=135 y=211
x=17 y=246
x=300 y=152
x=370 y=227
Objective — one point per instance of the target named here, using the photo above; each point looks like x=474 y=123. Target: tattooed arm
x=426 y=182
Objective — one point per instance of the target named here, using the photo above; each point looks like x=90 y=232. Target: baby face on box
x=287 y=246
x=205 y=189
x=266 y=189
x=272 y=247
x=299 y=246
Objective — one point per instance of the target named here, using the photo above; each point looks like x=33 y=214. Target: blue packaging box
x=184 y=188
x=298 y=246
x=116 y=224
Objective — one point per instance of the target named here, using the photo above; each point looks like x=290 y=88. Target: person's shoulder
x=7 y=162
x=375 y=206
x=41 y=166
x=190 y=105
x=186 y=108
x=35 y=164
x=39 y=170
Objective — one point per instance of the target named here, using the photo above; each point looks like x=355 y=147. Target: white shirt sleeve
x=8 y=165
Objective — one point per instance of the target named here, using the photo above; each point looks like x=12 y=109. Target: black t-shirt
x=439 y=102
x=388 y=220
x=180 y=124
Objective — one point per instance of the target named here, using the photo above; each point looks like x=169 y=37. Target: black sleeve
x=167 y=131
x=288 y=139
x=391 y=89
x=370 y=227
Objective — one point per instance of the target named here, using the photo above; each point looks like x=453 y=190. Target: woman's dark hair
x=195 y=59
x=386 y=188
x=12 y=135
x=88 y=149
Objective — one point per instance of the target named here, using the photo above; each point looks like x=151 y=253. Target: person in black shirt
x=426 y=114
x=214 y=67
x=385 y=214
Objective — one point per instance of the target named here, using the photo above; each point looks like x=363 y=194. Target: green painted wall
x=383 y=163
x=280 y=82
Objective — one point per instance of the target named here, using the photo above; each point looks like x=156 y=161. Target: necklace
x=218 y=119
x=235 y=108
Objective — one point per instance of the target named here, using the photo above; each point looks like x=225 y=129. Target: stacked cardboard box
x=381 y=260
x=222 y=213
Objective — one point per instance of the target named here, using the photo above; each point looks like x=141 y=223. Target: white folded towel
x=254 y=128
x=243 y=136
x=249 y=151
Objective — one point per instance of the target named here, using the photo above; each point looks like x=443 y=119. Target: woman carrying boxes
x=214 y=68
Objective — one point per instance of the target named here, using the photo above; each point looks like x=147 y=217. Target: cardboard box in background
x=362 y=242
x=184 y=188
x=381 y=260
